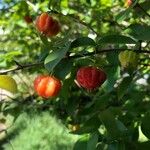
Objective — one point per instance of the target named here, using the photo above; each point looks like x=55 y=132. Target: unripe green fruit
x=8 y=83
x=128 y=59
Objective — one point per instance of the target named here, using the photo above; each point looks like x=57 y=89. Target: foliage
x=93 y=33
x=44 y=132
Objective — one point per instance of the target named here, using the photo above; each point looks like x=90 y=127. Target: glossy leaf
x=90 y=125
x=101 y=101
x=91 y=145
x=115 y=128
x=143 y=145
x=62 y=73
x=55 y=57
x=139 y=32
x=116 y=146
x=116 y=39
x=83 y=41
x=81 y=144
x=113 y=74
x=124 y=86
x=125 y=14
x=145 y=126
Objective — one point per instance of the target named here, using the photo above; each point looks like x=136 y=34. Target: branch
x=139 y=6
x=75 y=19
x=109 y=50
x=21 y=67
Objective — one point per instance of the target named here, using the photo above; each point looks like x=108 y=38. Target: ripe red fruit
x=28 y=19
x=47 y=25
x=47 y=86
x=90 y=77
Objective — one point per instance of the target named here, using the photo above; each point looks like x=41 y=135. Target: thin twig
x=139 y=6
x=75 y=19
x=108 y=50
x=21 y=67
x=1 y=94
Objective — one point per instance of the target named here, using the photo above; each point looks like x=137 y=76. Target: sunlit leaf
x=55 y=57
x=8 y=83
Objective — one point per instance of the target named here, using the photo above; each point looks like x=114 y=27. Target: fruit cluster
x=89 y=78
x=47 y=86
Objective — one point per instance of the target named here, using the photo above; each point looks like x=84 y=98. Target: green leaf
x=116 y=146
x=101 y=101
x=116 y=39
x=113 y=74
x=81 y=144
x=106 y=3
x=55 y=57
x=88 y=2
x=112 y=58
x=134 y=131
x=101 y=146
x=8 y=83
x=83 y=41
x=45 y=41
x=139 y=32
x=91 y=145
x=143 y=146
x=91 y=125
x=10 y=55
x=115 y=128
x=145 y=5
x=145 y=126
x=113 y=71
x=123 y=86
x=63 y=68
x=125 y=14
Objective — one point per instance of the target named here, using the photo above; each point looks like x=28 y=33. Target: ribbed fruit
x=128 y=59
x=90 y=77
x=47 y=86
x=47 y=25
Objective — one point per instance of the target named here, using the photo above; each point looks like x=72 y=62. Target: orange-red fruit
x=47 y=25
x=128 y=2
x=90 y=77
x=47 y=86
x=28 y=19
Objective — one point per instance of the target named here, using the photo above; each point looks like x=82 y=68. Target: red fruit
x=47 y=25
x=128 y=2
x=47 y=86
x=90 y=77
x=28 y=19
